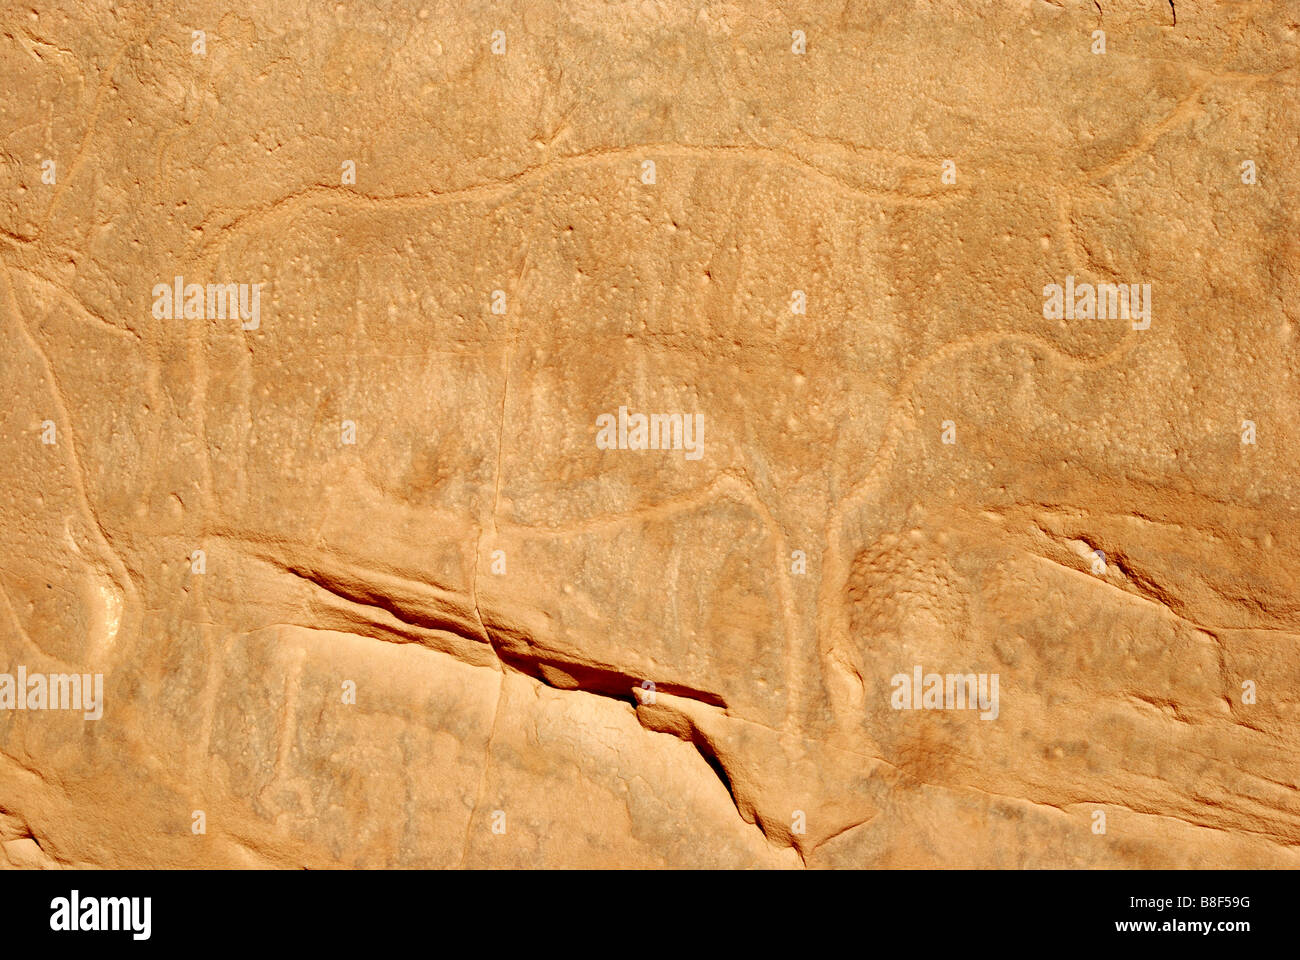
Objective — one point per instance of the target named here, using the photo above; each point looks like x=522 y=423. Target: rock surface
x=366 y=584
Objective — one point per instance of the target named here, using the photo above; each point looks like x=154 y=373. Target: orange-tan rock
x=627 y=434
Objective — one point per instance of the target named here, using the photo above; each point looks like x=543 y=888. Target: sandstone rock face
x=942 y=553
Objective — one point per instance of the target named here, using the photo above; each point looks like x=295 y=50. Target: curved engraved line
x=496 y=186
